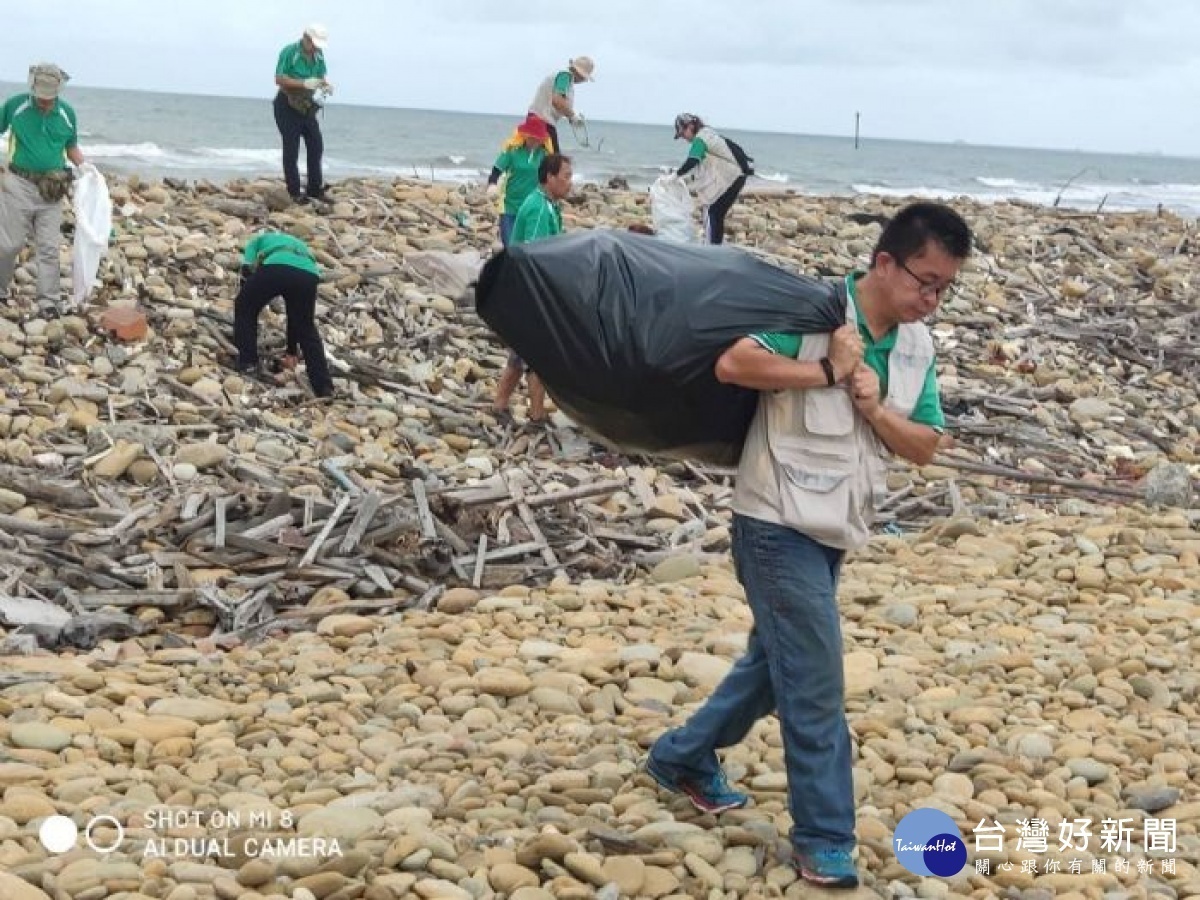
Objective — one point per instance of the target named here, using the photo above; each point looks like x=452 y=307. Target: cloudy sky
x=1119 y=75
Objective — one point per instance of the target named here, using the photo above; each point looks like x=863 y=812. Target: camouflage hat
x=46 y=80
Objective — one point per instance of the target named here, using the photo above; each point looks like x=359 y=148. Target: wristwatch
x=830 y=375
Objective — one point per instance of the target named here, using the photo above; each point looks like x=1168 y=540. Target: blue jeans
x=506 y=227
x=792 y=666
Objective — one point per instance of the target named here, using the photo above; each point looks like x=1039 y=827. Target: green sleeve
x=285 y=59
x=698 y=150
x=250 y=255
x=562 y=83
x=928 y=410
x=504 y=161
x=783 y=344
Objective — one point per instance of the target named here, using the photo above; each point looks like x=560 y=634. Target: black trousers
x=715 y=224
x=299 y=291
x=555 y=146
x=292 y=127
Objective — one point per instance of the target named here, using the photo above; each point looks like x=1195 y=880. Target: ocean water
x=220 y=138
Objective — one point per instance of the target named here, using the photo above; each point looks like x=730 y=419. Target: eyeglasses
x=929 y=288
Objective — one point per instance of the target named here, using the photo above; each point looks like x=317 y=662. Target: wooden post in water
x=857 y=115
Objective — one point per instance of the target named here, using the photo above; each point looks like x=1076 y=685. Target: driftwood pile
x=147 y=486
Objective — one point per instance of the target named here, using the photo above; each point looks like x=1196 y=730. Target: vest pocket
x=815 y=487
x=828 y=412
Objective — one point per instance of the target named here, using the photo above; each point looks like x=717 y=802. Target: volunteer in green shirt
x=42 y=136
x=300 y=74
x=519 y=160
x=540 y=216
x=555 y=97
x=830 y=408
x=279 y=265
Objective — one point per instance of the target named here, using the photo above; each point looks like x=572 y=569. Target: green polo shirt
x=38 y=141
x=539 y=217
x=293 y=63
x=521 y=164
x=698 y=150
x=273 y=248
x=876 y=353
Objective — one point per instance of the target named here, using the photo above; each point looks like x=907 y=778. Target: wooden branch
x=1017 y=475
x=36 y=486
x=97 y=599
x=315 y=547
x=362 y=521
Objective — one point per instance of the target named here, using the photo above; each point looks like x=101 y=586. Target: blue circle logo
x=927 y=842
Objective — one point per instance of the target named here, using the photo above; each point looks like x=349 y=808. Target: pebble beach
x=1019 y=636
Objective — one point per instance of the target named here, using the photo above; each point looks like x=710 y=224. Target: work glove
x=311 y=84
x=493 y=190
x=84 y=169
x=327 y=88
x=576 y=120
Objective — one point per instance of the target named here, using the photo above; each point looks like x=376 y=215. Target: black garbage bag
x=625 y=330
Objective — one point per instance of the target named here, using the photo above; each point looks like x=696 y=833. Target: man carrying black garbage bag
x=810 y=470
x=806 y=384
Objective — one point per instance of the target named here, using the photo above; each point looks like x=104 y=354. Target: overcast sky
x=1119 y=75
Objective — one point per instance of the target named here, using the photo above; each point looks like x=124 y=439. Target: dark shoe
x=713 y=795
x=322 y=195
x=300 y=199
x=832 y=868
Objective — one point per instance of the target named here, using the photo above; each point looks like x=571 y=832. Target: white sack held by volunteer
x=671 y=210
x=93 y=225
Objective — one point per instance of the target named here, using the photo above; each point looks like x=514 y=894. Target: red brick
x=125 y=323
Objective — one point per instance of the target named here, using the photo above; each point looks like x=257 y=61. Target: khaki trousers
x=22 y=210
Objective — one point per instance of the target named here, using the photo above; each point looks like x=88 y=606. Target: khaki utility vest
x=717 y=172
x=542 y=107
x=811 y=462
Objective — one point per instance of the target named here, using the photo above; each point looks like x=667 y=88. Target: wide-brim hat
x=583 y=67
x=318 y=34
x=533 y=127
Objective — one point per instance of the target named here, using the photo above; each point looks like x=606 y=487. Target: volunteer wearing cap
x=42 y=136
x=555 y=97
x=716 y=173
x=300 y=73
x=519 y=160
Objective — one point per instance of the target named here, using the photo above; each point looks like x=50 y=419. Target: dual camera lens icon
x=59 y=834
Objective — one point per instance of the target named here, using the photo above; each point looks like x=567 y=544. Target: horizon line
x=952 y=142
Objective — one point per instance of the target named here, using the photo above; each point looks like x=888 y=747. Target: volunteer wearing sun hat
x=519 y=159
x=43 y=135
x=555 y=97
x=299 y=74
